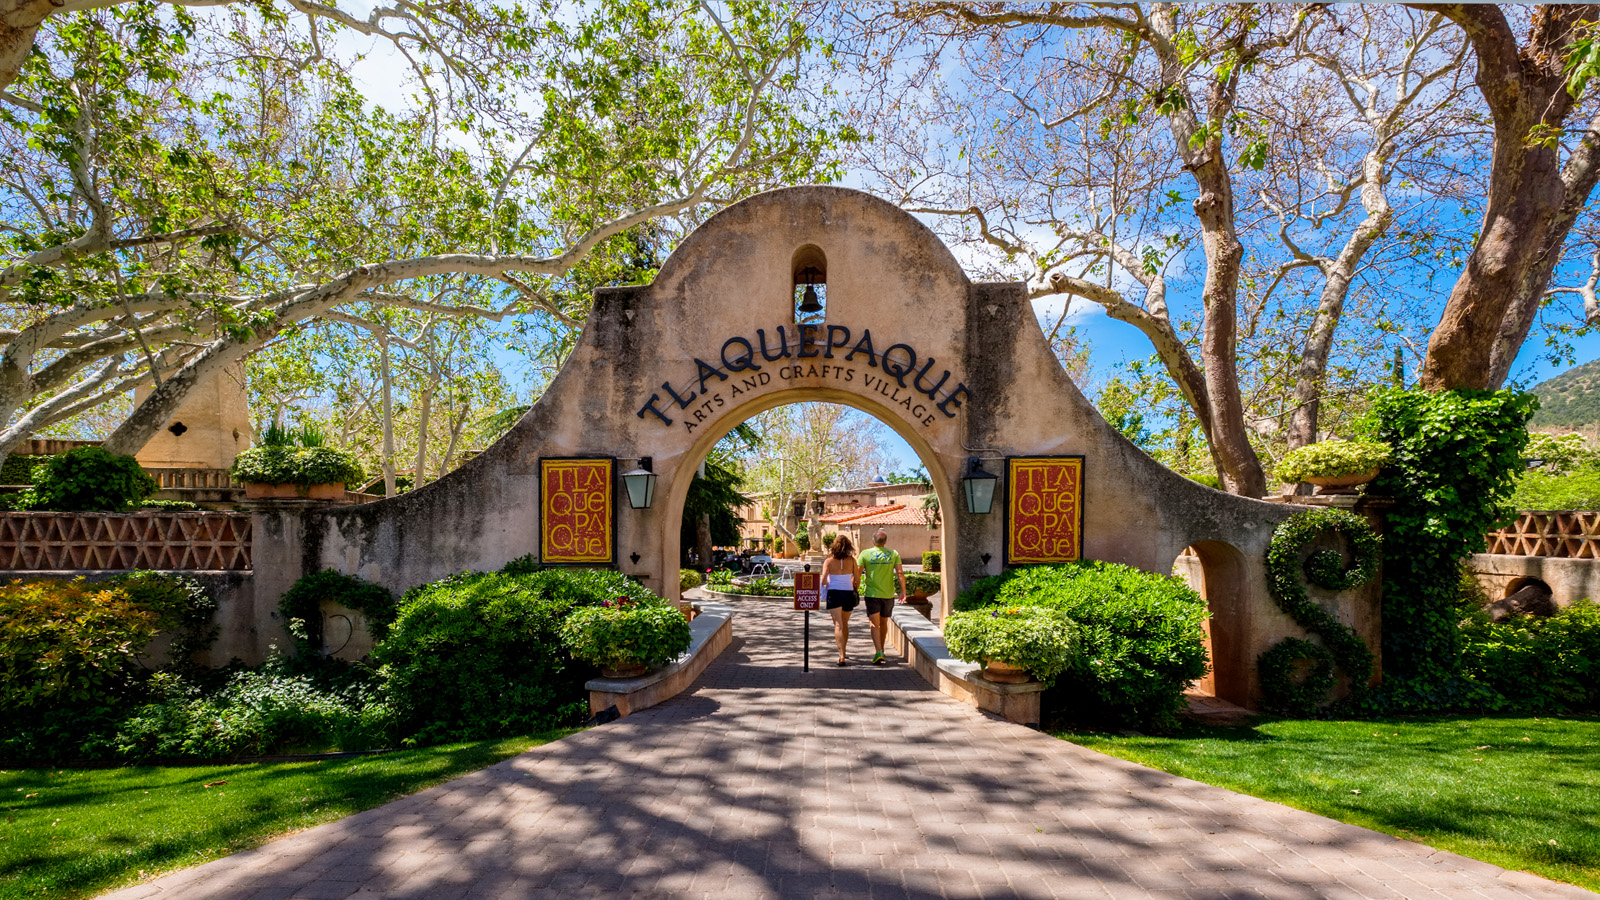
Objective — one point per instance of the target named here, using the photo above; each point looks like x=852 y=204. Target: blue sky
x=1111 y=343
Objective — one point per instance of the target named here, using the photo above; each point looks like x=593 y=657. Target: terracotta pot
x=255 y=491
x=1334 y=482
x=633 y=671
x=1004 y=673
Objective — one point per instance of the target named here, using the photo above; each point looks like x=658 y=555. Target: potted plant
x=290 y=465
x=626 y=637
x=920 y=586
x=1334 y=464
x=1013 y=642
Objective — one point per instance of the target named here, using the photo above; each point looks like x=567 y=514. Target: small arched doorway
x=1215 y=569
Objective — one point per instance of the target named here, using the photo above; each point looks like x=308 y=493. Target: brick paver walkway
x=856 y=782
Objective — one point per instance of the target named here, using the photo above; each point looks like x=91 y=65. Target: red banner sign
x=807 y=590
x=1044 y=509
x=577 y=512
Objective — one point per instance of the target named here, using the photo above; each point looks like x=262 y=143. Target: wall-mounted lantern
x=641 y=484
x=978 y=487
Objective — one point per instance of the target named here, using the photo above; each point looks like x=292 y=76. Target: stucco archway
x=662 y=370
x=944 y=484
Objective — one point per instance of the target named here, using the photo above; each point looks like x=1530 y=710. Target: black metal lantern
x=978 y=487
x=810 y=276
x=641 y=484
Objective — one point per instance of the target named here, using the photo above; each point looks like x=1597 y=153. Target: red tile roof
x=849 y=515
x=899 y=514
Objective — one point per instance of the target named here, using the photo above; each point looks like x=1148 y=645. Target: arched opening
x=851 y=509
x=1517 y=585
x=810 y=268
x=1215 y=569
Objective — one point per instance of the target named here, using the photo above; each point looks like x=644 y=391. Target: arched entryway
x=943 y=486
x=806 y=294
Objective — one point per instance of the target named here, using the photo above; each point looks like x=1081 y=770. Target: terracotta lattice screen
x=1570 y=535
x=42 y=541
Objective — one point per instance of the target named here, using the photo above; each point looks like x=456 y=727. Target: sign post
x=807 y=596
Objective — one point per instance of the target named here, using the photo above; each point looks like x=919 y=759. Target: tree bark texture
x=1520 y=240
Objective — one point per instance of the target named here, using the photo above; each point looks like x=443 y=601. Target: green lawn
x=76 y=832
x=1519 y=793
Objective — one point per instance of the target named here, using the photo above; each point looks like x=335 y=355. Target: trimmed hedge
x=1142 y=641
x=931 y=560
x=480 y=655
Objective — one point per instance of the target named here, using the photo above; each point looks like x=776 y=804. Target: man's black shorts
x=845 y=600
x=880 y=606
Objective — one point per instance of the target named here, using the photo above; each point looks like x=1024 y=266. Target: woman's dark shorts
x=880 y=606
x=845 y=600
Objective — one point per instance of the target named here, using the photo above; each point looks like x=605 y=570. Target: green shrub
x=688 y=578
x=719 y=579
x=1330 y=459
x=1537 y=665
x=932 y=560
x=259 y=711
x=828 y=539
x=170 y=506
x=480 y=654
x=522 y=565
x=1039 y=639
x=87 y=479
x=69 y=643
x=625 y=632
x=18 y=468
x=183 y=608
x=924 y=583
x=802 y=539
x=1141 y=634
x=301 y=606
x=760 y=587
x=299 y=466
x=1539 y=491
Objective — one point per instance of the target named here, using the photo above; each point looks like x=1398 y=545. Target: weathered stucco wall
x=1569 y=580
x=731 y=281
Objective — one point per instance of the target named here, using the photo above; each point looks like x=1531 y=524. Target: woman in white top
x=841 y=576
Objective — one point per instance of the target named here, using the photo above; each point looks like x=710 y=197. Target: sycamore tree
x=184 y=187
x=1532 y=70
x=1225 y=179
x=804 y=449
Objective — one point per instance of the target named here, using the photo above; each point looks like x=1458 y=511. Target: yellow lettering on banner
x=576 y=515
x=1043 y=510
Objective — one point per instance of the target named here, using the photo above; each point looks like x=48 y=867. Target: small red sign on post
x=807 y=590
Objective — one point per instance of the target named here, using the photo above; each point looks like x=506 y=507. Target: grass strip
x=77 y=832
x=1516 y=792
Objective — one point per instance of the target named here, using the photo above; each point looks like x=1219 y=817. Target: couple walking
x=848 y=578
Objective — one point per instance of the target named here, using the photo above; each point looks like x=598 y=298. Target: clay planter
x=1333 y=484
x=633 y=671
x=1004 y=673
x=255 y=491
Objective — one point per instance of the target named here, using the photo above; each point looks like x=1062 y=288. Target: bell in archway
x=808 y=300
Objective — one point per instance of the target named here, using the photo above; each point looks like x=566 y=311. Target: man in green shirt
x=880 y=568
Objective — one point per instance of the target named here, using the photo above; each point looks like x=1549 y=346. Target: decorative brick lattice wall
x=46 y=541
x=1566 y=535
